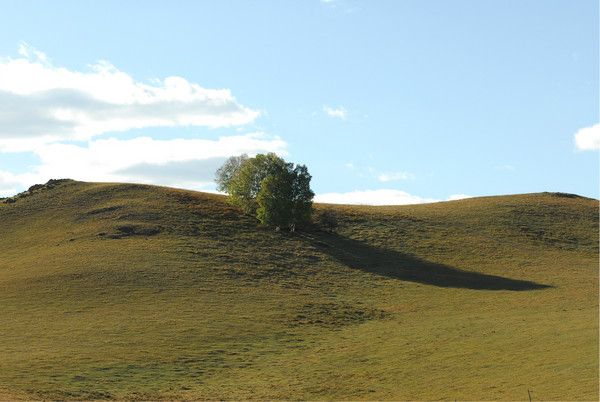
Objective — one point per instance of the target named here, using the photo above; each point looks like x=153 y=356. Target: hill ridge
x=55 y=182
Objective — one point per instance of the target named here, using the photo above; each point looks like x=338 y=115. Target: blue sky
x=384 y=101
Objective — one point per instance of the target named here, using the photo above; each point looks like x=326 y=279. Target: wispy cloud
x=508 y=168
x=43 y=103
x=338 y=112
x=380 y=197
x=347 y=6
x=588 y=138
x=372 y=197
x=381 y=176
x=395 y=176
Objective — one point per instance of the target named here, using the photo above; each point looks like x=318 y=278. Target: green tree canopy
x=276 y=191
x=226 y=172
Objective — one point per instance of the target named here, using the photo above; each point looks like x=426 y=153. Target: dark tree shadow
x=393 y=264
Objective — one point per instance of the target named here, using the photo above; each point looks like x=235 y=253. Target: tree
x=246 y=182
x=285 y=197
x=226 y=172
x=276 y=191
x=274 y=200
x=302 y=195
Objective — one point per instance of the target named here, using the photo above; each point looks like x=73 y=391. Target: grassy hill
x=132 y=291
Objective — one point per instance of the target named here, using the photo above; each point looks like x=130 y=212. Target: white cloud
x=588 y=138
x=188 y=163
x=42 y=106
x=455 y=197
x=28 y=51
x=11 y=183
x=508 y=168
x=8 y=184
x=373 y=197
x=43 y=103
x=384 y=177
x=338 y=112
x=7 y=191
x=395 y=176
x=380 y=197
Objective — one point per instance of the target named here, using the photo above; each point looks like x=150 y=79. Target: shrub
x=328 y=221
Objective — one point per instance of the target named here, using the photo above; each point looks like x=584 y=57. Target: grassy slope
x=128 y=291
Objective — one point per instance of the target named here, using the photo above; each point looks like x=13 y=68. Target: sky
x=386 y=102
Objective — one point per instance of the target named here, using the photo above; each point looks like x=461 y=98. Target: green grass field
x=122 y=291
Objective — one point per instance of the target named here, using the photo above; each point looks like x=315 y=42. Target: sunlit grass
x=127 y=291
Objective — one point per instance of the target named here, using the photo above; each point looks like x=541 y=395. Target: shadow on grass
x=393 y=264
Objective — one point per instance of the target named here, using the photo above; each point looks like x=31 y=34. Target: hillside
x=142 y=292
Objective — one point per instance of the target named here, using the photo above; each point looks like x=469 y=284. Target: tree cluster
x=275 y=191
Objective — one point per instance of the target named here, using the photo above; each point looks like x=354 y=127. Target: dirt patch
x=102 y=211
x=131 y=230
x=334 y=315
